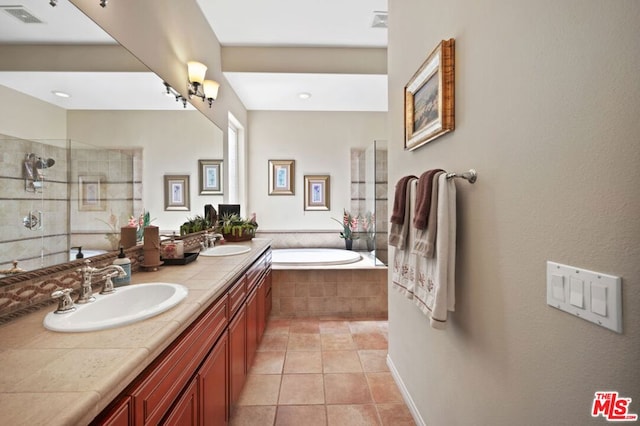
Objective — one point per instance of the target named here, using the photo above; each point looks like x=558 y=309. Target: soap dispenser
x=123 y=261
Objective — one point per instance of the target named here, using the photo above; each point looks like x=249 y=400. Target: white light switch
x=576 y=298
x=599 y=299
x=589 y=295
x=557 y=282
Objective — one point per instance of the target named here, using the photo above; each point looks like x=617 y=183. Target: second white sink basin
x=225 y=250
x=126 y=306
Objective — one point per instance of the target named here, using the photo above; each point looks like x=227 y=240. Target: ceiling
x=300 y=23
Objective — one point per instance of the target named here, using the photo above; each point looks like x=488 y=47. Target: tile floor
x=320 y=372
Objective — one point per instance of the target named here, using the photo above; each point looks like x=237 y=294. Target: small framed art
x=282 y=177
x=92 y=195
x=316 y=192
x=210 y=177
x=176 y=192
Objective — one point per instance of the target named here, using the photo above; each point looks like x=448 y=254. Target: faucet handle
x=65 y=303
x=108 y=284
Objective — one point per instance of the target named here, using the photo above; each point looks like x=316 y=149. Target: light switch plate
x=592 y=296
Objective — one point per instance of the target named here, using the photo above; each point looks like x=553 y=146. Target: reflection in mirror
x=67 y=164
x=58 y=194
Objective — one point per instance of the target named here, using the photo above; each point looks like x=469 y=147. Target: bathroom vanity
x=186 y=366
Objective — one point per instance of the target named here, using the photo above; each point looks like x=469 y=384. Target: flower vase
x=348 y=243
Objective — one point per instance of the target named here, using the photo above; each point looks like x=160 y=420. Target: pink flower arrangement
x=349 y=225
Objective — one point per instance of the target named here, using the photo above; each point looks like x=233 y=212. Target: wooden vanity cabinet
x=199 y=377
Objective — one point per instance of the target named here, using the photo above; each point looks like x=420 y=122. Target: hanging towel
x=403 y=278
x=399 y=233
x=399 y=200
x=424 y=239
x=423 y=198
x=434 y=292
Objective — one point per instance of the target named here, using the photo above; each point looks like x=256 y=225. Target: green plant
x=196 y=224
x=233 y=224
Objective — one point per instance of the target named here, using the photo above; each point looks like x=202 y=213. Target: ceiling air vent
x=19 y=12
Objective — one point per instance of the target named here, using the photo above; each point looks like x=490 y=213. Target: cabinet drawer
x=156 y=392
x=236 y=296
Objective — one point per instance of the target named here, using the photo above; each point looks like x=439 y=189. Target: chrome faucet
x=86 y=292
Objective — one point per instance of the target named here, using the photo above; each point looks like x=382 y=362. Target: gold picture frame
x=317 y=192
x=282 y=177
x=210 y=174
x=176 y=193
x=91 y=193
x=429 y=105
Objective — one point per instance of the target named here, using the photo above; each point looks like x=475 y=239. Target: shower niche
x=59 y=194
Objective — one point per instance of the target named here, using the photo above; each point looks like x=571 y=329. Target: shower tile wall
x=120 y=171
x=64 y=222
x=48 y=245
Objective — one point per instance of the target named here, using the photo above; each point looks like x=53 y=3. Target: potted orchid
x=349 y=226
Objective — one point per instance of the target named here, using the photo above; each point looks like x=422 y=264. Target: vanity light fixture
x=207 y=90
x=54 y=3
x=170 y=91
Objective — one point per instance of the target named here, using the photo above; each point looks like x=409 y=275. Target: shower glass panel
x=58 y=194
x=369 y=199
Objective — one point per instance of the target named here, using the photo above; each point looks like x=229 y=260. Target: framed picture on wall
x=92 y=194
x=282 y=177
x=210 y=177
x=316 y=192
x=176 y=192
x=429 y=98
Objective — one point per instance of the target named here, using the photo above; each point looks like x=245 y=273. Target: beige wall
x=22 y=116
x=172 y=143
x=547 y=101
x=320 y=143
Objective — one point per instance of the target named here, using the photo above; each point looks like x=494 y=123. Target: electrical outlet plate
x=589 y=295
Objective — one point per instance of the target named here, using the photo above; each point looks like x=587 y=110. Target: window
x=236 y=193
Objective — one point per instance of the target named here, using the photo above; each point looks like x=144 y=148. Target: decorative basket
x=247 y=235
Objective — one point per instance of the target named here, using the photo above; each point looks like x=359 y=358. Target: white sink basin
x=225 y=250
x=127 y=305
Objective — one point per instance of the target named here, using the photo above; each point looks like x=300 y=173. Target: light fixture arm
x=173 y=92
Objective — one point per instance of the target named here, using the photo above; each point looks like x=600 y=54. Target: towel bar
x=471 y=175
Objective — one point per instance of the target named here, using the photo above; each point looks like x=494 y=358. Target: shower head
x=44 y=163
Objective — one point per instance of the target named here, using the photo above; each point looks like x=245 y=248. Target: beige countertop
x=50 y=378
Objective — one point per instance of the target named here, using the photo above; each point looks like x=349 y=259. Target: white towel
x=435 y=290
x=403 y=279
x=430 y=282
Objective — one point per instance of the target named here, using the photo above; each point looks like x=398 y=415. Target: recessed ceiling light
x=304 y=95
x=61 y=94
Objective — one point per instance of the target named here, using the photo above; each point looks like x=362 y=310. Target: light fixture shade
x=196 y=71
x=210 y=89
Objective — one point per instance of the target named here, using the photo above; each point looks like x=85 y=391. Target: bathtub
x=87 y=253
x=313 y=282
x=314 y=257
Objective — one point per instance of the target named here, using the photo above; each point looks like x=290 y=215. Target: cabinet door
x=237 y=354
x=119 y=415
x=214 y=385
x=185 y=411
x=261 y=297
x=267 y=291
x=252 y=326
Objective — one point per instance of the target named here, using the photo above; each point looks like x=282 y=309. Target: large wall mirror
x=75 y=169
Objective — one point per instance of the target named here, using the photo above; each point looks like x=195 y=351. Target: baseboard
x=405 y=393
